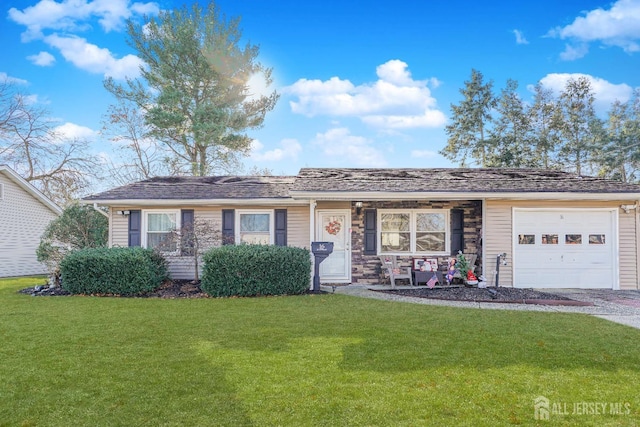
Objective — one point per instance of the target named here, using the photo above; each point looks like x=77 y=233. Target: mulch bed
x=189 y=289
x=169 y=289
x=491 y=294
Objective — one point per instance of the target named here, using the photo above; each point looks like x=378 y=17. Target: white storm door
x=335 y=226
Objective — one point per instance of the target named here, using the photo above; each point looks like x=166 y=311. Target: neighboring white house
x=24 y=214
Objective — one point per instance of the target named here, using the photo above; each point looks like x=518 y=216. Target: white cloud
x=520 y=38
x=618 y=26
x=605 y=92
x=43 y=59
x=342 y=148
x=394 y=100
x=289 y=149
x=94 y=59
x=6 y=78
x=423 y=154
x=74 y=131
x=572 y=52
x=73 y=15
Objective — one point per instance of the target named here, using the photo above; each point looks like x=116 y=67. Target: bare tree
x=58 y=167
x=140 y=155
x=192 y=241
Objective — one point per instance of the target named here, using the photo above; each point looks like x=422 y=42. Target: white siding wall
x=23 y=219
x=498 y=230
x=182 y=267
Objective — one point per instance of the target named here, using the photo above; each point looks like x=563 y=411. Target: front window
x=255 y=227
x=414 y=231
x=431 y=232
x=160 y=228
x=395 y=232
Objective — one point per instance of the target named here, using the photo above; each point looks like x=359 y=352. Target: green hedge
x=120 y=271
x=250 y=270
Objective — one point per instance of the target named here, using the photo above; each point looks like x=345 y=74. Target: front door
x=335 y=226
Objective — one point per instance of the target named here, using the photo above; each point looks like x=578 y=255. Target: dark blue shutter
x=134 y=228
x=228 y=228
x=186 y=225
x=457 y=231
x=281 y=227
x=370 y=232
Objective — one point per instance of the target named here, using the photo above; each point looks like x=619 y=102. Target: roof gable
x=29 y=188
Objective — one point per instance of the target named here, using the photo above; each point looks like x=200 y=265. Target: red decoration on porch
x=471 y=276
x=333 y=227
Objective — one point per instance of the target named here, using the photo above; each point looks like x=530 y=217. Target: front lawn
x=305 y=360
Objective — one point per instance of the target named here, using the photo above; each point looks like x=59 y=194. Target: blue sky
x=363 y=83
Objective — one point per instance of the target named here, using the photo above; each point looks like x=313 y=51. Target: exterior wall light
x=358 y=208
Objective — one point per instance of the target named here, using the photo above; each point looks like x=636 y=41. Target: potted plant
x=466 y=270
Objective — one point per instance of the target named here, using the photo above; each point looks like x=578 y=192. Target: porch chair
x=395 y=271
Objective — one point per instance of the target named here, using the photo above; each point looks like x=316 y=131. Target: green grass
x=305 y=360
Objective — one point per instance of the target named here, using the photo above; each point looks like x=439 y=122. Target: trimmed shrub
x=251 y=270
x=120 y=271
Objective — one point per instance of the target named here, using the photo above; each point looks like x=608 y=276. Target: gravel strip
x=606 y=303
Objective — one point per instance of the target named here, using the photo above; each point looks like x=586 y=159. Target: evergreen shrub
x=252 y=270
x=119 y=271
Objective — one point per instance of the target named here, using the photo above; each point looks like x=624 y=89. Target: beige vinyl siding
x=118 y=227
x=23 y=219
x=627 y=240
x=298 y=226
x=497 y=239
x=498 y=229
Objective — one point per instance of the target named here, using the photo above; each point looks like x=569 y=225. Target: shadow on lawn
x=416 y=338
x=546 y=344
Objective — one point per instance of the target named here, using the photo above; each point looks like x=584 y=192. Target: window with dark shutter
x=370 y=237
x=135 y=228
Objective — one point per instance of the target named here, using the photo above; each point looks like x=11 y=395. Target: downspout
x=312 y=233
x=637 y=246
x=484 y=270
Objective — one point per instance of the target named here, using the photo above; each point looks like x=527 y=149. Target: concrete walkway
x=617 y=306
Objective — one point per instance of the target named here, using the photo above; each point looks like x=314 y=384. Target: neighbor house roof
x=334 y=183
x=193 y=189
x=29 y=188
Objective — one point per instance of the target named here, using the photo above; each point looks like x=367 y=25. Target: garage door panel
x=572 y=248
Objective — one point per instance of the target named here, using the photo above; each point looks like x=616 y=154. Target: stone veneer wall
x=367 y=269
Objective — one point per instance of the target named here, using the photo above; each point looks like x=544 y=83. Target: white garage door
x=574 y=248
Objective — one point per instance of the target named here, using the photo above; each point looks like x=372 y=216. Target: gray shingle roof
x=201 y=188
x=331 y=180
x=467 y=180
